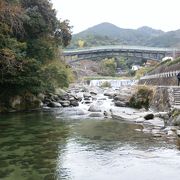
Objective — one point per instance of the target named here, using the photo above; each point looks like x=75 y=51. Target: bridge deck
x=118 y=48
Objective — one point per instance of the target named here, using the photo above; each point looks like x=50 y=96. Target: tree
x=108 y=67
x=81 y=43
x=31 y=36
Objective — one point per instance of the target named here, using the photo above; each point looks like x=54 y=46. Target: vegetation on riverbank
x=166 y=66
x=142 y=98
x=31 y=36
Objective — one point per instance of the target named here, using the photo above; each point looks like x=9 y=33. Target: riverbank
x=97 y=102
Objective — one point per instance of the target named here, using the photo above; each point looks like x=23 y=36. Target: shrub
x=141 y=99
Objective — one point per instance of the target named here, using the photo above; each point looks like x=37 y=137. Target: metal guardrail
x=160 y=75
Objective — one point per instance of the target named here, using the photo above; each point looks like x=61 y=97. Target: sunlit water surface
x=37 y=146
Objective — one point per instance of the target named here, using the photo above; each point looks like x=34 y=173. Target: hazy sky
x=158 y=14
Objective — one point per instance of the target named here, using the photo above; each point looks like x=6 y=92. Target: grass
x=174 y=62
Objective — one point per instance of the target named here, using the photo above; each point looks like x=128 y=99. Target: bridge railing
x=160 y=75
x=123 y=47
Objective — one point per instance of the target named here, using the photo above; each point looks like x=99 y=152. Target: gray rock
x=163 y=115
x=109 y=94
x=26 y=102
x=60 y=92
x=94 y=108
x=64 y=97
x=41 y=96
x=46 y=100
x=86 y=95
x=178 y=133
x=87 y=102
x=94 y=98
x=121 y=98
x=55 y=97
x=74 y=103
x=74 y=111
x=120 y=104
x=16 y=102
x=71 y=98
x=87 y=98
x=176 y=121
x=65 y=103
x=95 y=114
x=93 y=93
x=149 y=116
x=54 y=105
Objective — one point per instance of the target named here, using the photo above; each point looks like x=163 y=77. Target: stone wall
x=161 y=81
x=162 y=99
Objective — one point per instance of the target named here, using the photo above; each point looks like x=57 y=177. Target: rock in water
x=54 y=105
x=65 y=103
x=120 y=104
x=74 y=103
x=176 y=121
x=95 y=114
x=94 y=108
x=149 y=116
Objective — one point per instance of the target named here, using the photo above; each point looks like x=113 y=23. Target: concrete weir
x=112 y=83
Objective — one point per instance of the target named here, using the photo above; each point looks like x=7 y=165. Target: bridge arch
x=113 y=51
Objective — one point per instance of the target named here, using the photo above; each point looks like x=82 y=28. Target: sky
x=132 y=14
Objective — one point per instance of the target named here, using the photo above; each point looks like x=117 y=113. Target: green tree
x=31 y=36
x=108 y=67
x=121 y=63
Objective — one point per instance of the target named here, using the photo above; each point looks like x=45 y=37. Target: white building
x=135 y=67
x=167 y=58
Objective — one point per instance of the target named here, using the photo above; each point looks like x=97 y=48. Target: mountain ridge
x=109 y=34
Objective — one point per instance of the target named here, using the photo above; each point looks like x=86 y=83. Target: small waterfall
x=114 y=83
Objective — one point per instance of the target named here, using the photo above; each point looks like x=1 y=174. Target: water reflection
x=39 y=146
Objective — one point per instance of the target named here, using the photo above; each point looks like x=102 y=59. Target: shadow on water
x=40 y=146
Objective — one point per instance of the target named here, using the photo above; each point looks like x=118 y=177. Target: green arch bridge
x=149 y=53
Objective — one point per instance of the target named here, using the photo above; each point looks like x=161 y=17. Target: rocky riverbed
x=83 y=101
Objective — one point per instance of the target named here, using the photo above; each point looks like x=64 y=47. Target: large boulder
x=64 y=97
x=74 y=103
x=54 y=105
x=120 y=104
x=60 y=92
x=41 y=96
x=122 y=97
x=149 y=116
x=110 y=93
x=26 y=102
x=94 y=108
x=176 y=121
x=65 y=103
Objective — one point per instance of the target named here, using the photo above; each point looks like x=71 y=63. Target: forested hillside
x=109 y=34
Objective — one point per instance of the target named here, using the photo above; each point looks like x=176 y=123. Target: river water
x=35 y=146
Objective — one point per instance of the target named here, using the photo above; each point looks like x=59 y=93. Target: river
x=38 y=145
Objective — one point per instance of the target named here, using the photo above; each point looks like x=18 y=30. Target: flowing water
x=35 y=146
x=113 y=83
